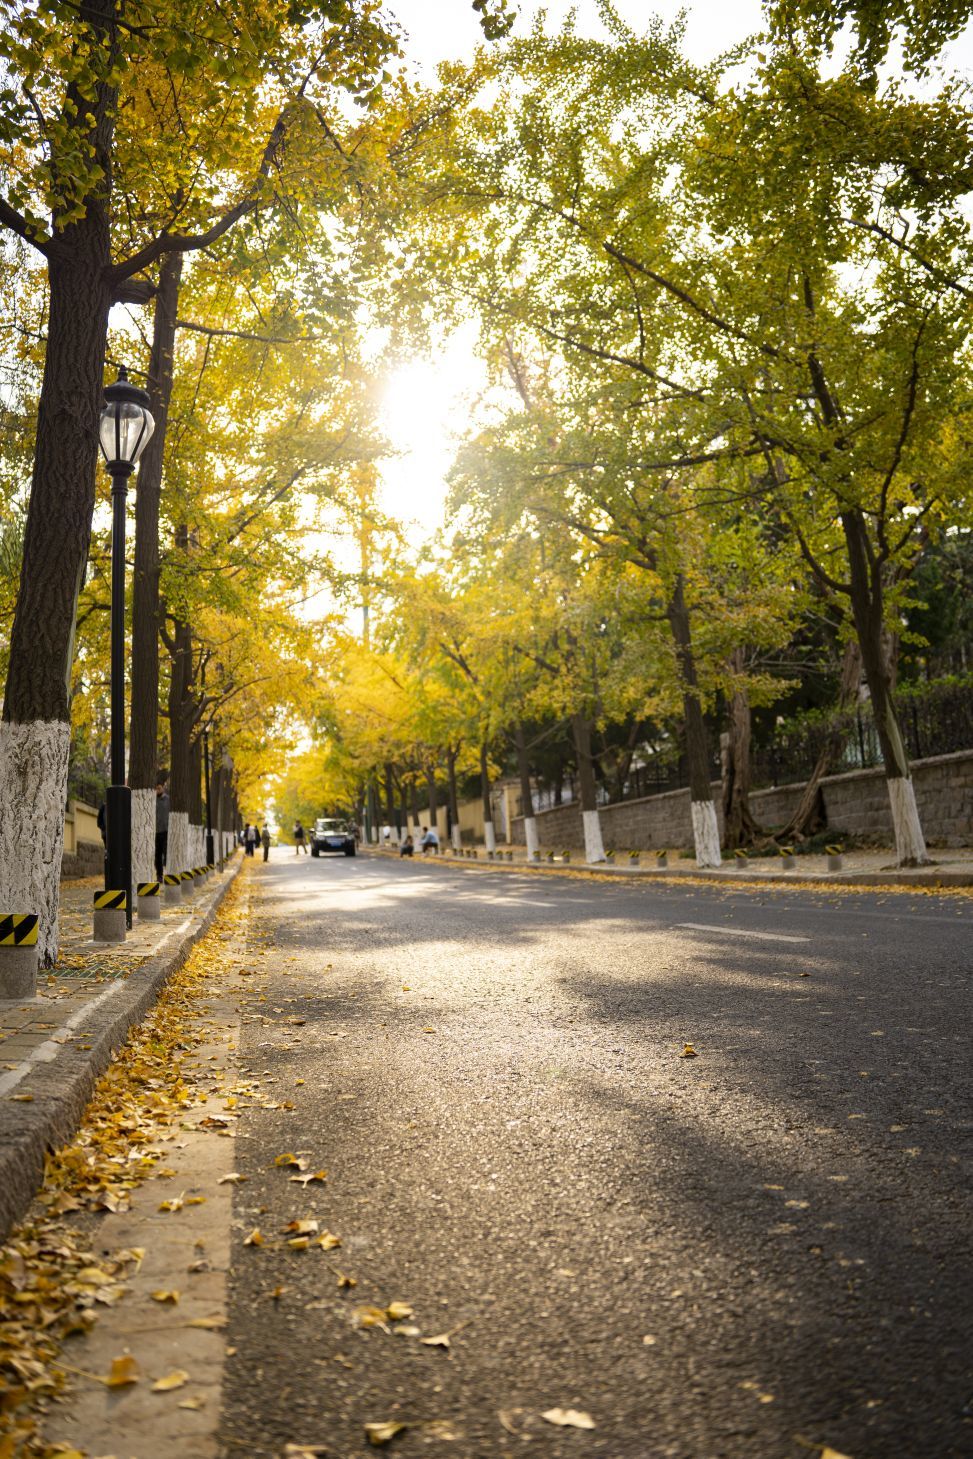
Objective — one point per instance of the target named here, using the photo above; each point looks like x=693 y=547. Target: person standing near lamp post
x=161 y=824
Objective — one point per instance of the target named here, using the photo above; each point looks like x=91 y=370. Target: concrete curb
x=930 y=877
x=62 y=1087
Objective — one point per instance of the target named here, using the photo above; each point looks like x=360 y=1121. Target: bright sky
x=427 y=404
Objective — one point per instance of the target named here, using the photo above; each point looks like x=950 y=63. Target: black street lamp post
x=125 y=427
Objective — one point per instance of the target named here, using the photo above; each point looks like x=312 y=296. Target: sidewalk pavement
x=54 y=1046
x=949 y=866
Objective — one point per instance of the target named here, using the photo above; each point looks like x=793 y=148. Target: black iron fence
x=936 y=719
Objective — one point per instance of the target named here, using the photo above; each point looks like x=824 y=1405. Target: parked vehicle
x=331 y=835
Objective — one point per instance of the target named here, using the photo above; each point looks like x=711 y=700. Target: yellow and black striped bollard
x=111 y=907
x=172 y=888
x=18 y=954
x=149 y=901
x=187 y=879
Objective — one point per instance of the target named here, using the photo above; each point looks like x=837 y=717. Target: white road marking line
x=743 y=932
x=46 y=1052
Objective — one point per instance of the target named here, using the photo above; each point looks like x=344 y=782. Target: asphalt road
x=755 y=1253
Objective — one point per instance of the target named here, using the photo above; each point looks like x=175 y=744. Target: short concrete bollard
x=18 y=954
x=187 y=884
x=149 y=904
x=111 y=907
x=835 y=862
x=173 y=888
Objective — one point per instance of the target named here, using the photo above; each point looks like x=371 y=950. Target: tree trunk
x=35 y=734
x=489 y=835
x=433 y=799
x=143 y=752
x=868 y=609
x=391 y=811
x=197 y=835
x=456 y=836
x=182 y=714
x=739 y=826
x=594 y=849
x=526 y=795
x=809 y=815
x=414 y=804
x=706 y=831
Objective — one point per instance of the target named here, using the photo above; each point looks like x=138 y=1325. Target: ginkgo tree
x=781 y=266
x=80 y=111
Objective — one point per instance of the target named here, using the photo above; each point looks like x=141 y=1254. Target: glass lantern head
x=126 y=423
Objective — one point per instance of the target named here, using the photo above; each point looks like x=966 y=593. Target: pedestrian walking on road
x=250 y=838
x=300 y=840
x=265 y=841
x=161 y=824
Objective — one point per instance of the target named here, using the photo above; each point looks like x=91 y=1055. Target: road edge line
x=63 y=1086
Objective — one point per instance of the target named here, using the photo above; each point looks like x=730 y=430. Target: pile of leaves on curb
x=51 y=1283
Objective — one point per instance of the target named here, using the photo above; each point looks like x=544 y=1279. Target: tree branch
x=18 y=224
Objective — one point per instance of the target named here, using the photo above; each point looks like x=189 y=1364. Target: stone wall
x=856 y=802
x=84 y=850
x=86 y=860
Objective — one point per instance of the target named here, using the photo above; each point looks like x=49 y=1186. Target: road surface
x=760 y=1251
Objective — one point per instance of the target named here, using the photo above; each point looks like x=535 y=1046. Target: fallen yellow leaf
x=299 y=1243
x=442 y=1341
x=369 y=1316
x=254 y=1239
x=301 y=1228
x=328 y=1241
x=123 y=1371
x=196 y=1401
x=209 y=1324
x=172 y=1380
x=568 y=1418
x=398 y=1311
x=379 y=1434
x=688 y=1052
x=306 y=1179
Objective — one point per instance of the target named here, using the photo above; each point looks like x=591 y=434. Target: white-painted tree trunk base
x=910 y=844
x=489 y=836
x=33 y=792
x=177 y=853
x=594 y=846
x=706 y=833
x=143 y=836
x=456 y=837
x=532 y=838
x=197 y=846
